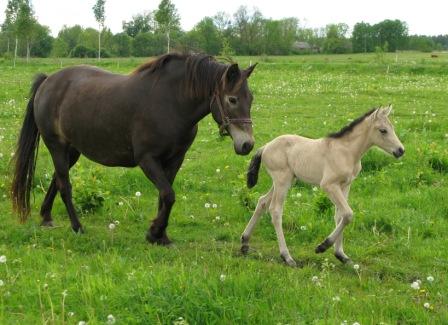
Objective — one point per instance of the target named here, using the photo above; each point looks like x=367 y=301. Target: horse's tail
x=254 y=167
x=25 y=156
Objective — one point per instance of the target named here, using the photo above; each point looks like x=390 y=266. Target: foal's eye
x=233 y=100
x=383 y=131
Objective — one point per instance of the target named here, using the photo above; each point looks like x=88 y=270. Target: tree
x=335 y=41
x=99 y=12
x=25 y=25
x=205 y=36
x=141 y=23
x=167 y=20
x=42 y=42
x=121 y=45
x=363 y=37
x=10 y=23
x=392 y=32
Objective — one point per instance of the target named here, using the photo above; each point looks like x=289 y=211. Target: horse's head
x=231 y=105
x=383 y=134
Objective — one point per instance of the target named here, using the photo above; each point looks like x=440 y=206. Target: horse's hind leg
x=61 y=161
x=47 y=205
x=263 y=203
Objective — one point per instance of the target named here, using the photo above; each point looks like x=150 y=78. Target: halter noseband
x=225 y=119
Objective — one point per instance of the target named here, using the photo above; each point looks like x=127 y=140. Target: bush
x=81 y=51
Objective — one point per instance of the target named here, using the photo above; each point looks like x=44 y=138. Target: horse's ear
x=388 y=110
x=231 y=76
x=249 y=70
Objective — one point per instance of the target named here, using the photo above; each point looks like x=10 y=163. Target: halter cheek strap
x=225 y=119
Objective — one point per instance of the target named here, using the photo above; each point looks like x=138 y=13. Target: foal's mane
x=202 y=72
x=349 y=128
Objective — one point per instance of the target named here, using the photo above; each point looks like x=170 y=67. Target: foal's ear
x=231 y=76
x=388 y=110
x=249 y=70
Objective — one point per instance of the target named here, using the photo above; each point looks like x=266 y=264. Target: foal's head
x=231 y=105
x=383 y=133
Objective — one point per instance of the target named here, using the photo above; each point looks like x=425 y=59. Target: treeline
x=246 y=32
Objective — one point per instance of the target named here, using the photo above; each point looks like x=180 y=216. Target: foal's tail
x=25 y=156
x=254 y=167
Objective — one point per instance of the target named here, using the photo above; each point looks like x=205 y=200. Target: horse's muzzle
x=399 y=152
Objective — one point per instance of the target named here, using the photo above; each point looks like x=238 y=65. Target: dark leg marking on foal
x=323 y=246
x=244 y=245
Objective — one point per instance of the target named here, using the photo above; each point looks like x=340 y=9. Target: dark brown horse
x=147 y=119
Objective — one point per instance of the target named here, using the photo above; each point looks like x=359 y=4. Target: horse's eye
x=383 y=131
x=233 y=100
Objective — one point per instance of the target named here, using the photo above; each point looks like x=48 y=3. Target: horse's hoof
x=245 y=249
x=157 y=240
x=344 y=259
x=78 y=229
x=289 y=261
x=47 y=223
x=323 y=246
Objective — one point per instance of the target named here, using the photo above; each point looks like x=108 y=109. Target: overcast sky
x=428 y=17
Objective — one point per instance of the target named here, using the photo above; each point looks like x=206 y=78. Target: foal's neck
x=358 y=141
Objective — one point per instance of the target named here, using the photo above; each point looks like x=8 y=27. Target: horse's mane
x=349 y=128
x=202 y=73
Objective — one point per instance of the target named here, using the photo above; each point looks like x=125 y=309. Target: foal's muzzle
x=399 y=152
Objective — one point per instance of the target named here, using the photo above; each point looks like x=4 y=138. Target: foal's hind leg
x=263 y=203
x=282 y=182
x=47 y=205
x=61 y=161
x=338 y=244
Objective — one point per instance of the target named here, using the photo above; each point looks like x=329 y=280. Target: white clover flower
x=207 y=205
x=217 y=218
x=1 y=155
x=120 y=203
x=356 y=267
x=356 y=323
x=45 y=286
x=117 y=222
x=3 y=259
x=430 y=278
x=222 y=277
x=110 y=319
x=303 y=228
x=218 y=170
x=415 y=285
x=299 y=195
x=314 y=189
x=214 y=205
x=64 y=293
x=315 y=278
x=81 y=322
x=2 y=283
x=138 y=194
x=70 y=314
x=426 y=305
x=336 y=298
x=112 y=226
x=418 y=281
x=184 y=197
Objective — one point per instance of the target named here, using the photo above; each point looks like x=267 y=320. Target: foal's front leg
x=338 y=244
x=344 y=211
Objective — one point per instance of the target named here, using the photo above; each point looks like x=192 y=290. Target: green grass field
x=399 y=233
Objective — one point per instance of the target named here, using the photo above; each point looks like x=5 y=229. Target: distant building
x=305 y=47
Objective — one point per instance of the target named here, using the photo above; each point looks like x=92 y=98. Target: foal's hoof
x=289 y=261
x=343 y=258
x=47 y=223
x=78 y=229
x=323 y=246
x=158 y=240
x=244 y=249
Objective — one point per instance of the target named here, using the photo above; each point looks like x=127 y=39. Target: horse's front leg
x=344 y=211
x=155 y=172
x=338 y=244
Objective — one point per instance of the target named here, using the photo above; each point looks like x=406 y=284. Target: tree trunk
x=27 y=51
x=8 y=46
x=168 y=41
x=99 y=44
x=15 y=51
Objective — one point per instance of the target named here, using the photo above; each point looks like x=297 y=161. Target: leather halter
x=225 y=119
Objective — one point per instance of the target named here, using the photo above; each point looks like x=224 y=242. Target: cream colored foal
x=332 y=163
